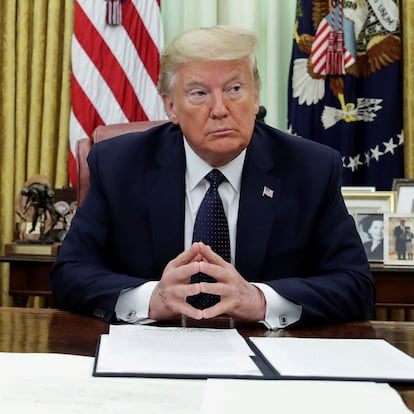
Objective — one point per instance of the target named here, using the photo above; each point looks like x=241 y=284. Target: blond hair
x=209 y=44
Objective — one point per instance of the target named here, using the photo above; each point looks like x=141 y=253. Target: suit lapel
x=166 y=189
x=259 y=197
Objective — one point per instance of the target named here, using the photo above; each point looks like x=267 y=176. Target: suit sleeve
x=85 y=277
x=337 y=285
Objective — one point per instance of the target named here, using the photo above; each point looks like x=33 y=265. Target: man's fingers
x=187 y=256
x=212 y=288
x=213 y=311
x=220 y=272
x=183 y=273
x=209 y=255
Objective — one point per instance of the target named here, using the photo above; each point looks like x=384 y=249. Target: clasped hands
x=239 y=298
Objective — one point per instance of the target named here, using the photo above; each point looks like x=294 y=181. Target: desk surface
x=54 y=331
x=51 y=330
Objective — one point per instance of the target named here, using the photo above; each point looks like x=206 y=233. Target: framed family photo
x=371 y=231
x=398 y=239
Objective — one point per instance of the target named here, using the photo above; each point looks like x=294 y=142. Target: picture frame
x=404 y=188
x=357 y=188
x=398 y=243
x=370 y=226
x=370 y=201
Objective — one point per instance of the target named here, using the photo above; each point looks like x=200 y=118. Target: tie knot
x=215 y=177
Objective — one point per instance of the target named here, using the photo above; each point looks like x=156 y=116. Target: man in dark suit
x=400 y=245
x=295 y=255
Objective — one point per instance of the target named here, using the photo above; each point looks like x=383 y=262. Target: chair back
x=102 y=132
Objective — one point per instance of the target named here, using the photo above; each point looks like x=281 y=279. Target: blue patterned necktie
x=212 y=229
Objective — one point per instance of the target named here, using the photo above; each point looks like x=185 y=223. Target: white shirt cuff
x=280 y=312
x=132 y=305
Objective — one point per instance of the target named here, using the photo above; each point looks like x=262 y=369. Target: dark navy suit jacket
x=300 y=239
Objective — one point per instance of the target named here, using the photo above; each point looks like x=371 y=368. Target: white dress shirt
x=133 y=304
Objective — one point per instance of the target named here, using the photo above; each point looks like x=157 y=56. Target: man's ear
x=169 y=108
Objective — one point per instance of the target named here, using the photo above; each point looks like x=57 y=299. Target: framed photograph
x=370 y=201
x=398 y=239
x=404 y=188
x=371 y=230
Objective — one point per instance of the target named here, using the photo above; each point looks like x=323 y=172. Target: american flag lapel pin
x=267 y=192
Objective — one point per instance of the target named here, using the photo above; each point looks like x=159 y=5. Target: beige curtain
x=35 y=102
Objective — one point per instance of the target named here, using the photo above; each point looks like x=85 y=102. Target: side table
x=29 y=276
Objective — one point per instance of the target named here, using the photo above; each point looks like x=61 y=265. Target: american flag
x=115 y=64
x=358 y=109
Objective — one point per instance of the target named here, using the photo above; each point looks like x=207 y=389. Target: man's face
x=215 y=104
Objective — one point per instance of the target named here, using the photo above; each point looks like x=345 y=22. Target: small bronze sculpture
x=35 y=206
x=41 y=198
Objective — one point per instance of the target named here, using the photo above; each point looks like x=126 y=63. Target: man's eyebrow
x=194 y=82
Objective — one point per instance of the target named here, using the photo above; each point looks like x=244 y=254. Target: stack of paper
x=130 y=350
x=174 y=352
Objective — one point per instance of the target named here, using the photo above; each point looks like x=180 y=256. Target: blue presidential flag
x=345 y=85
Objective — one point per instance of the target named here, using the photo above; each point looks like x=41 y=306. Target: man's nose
x=219 y=107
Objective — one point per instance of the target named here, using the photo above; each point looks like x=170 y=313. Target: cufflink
x=283 y=320
x=131 y=316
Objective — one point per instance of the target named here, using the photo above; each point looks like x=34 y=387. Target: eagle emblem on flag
x=345 y=84
x=367 y=32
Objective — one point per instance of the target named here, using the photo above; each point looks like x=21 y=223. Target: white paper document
x=63 y=384
x=56 y=383
x=374 y=359
x=175 y=352
x=224 y=396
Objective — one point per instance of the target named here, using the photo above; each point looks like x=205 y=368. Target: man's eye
x=197 y=93
x=234 y=90
x=197 y=96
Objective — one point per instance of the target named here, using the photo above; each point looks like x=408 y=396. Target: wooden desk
x=49 y=330
x=395 y=292
x=29 y=276
x=395 y=286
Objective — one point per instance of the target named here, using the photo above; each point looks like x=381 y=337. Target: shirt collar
x=197 y=168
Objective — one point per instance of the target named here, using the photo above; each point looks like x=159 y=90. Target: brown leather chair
x=84 y=145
